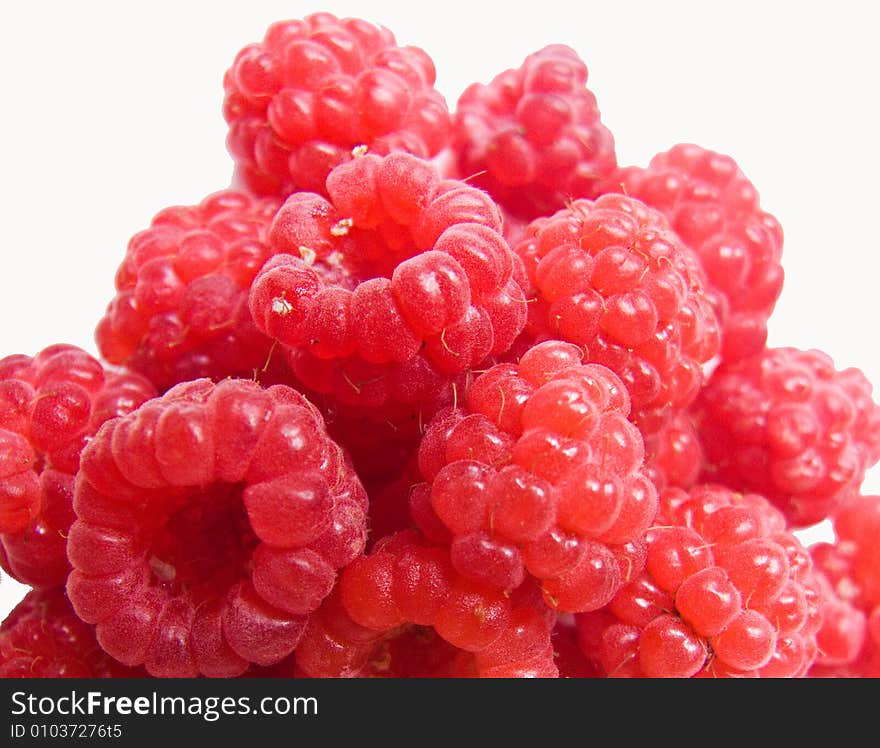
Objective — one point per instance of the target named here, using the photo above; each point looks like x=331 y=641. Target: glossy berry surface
x=726 y=591
x=610 y=276
x=384 y=293
x=538 y=474
x=51 y=404
x=43 y=638
x=313 y=89
x=716 y=211
x=180 y=310
x=785 y=423
x=533 y=137
x=673 y=452
x=850 y=635
x=433 y=395
x=210 y=524
x=405 y=586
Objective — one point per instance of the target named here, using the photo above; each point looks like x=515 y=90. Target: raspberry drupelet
x=611 y=276
x=846 y=648
x=313 y=89
x=726 y=591
x=51 y=404
x=716 y=211
x=849 y=640
x=538 y=473
x=180 y=310
x=210 y=524
x=788 y=425
x=383 y=294
x=533 y=137
x=673 y=453
x=407 y=585
x=43 y=638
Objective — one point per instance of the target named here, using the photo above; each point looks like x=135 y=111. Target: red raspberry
x=612 y=277
x=842 y=640
x=525 y=648
x=533 y=138
x=312 y=90
x=406 y=583
x=333 y=645
x=673 y=453
x=856 y=528
x=50 y=406
x=725 y=592
x=210 y=523
x=715 y=209
x=785 y=423
x=385 y=293
x=180 y=310
x=538 y=470
x=43 y=638
x=850 y=636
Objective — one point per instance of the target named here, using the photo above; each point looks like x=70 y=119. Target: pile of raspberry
x=433 y=391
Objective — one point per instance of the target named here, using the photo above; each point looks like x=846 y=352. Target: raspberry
x=210 y=524
x=726 y=591
x=856 y=527
x=849 y=640
x=525 y=648
x=539 y=471
x=842 y=638
x=405 y=587
x=43 y=638
x=299 y=101
x=333 y=645
x=612 y=277
x=533 y=137
x=385 y=293
x=180 y=310
x=785 y=423
x=673 y=453
x=715 y=209
x=50 y=406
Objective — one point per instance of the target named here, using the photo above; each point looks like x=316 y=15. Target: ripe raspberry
x=312 y=90
x=405 y=586
x=612 y=277
x=673 y=453
x=715 y=209
x=50 y=406
x=333 y=645
x=525 y=648
x=210 y=523
x=726 y=592
x=842 y=640
x=539 y=471
x=43 y=638
x=180 y=311
x=786 y=424
x=849 y=640
x=533 y=138
x=385 y=293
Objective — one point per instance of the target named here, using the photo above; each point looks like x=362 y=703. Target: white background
x=111 y=111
